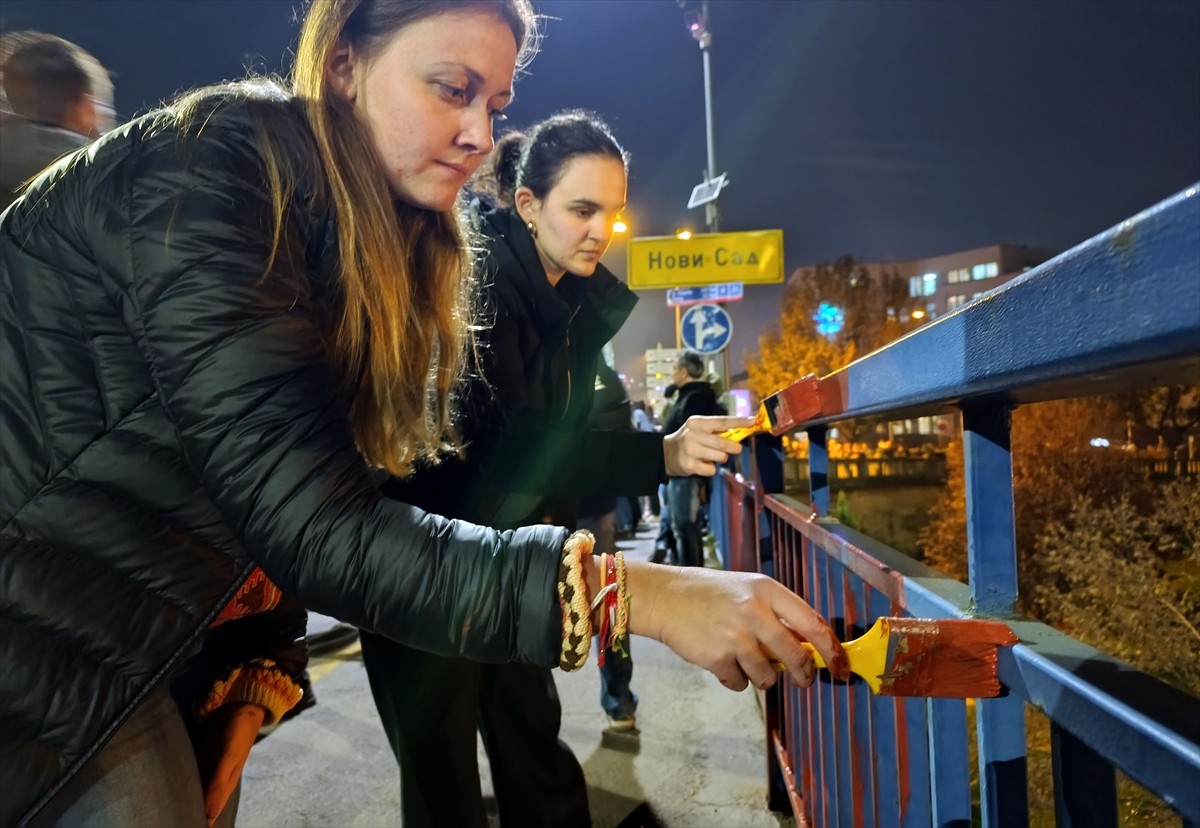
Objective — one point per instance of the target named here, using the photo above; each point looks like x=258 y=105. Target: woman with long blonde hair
x=219 y=323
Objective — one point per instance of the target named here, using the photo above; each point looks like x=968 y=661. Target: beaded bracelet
x=572 y=600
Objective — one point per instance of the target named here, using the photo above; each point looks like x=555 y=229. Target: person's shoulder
x=238 y=114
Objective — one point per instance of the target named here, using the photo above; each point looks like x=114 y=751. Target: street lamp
x=619 y=226
x=697 y=26
x=683 y=234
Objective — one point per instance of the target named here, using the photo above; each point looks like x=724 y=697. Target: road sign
x=728 y=292
x=707 y=191
x=753 y=257
x=706 y=328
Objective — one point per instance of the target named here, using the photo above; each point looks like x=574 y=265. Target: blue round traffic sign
x=706 y=328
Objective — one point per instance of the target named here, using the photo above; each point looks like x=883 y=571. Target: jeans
x=145 y=776
x=683 y=506
x=618 y=701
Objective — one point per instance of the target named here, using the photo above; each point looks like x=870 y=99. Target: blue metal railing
x=1119 y=312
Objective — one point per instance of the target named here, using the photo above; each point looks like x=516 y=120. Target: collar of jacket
x=514 y=254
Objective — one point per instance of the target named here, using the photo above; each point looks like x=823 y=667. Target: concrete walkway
x=699 y=759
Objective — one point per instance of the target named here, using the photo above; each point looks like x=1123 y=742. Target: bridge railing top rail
x=1107 y=315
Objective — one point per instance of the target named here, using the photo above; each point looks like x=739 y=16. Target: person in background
x=648 y=505
x=234 y=317
x=694 y=396
x=59 y=98
x=546 y=203
x=611 y=411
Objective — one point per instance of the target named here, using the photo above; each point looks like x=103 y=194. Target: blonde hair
x=405 y=326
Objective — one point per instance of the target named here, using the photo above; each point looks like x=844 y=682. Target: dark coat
x=28 y=148
x=692 y=399
x=530 y=453
x=168 y=421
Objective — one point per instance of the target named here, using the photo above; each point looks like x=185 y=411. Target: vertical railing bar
x=775 y=699
x=992 y=569
x=859 y=700
x=917 y=812
x=1085 y=785
x=843 y=731
x=831 y=610
x=949 y=762
x=812 y=716
x=824 y=697
x=886 y=761
x=818 y=469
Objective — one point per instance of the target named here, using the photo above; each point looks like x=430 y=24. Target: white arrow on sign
x=703 y=326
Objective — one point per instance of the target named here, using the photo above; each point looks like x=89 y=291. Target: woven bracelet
x=573 y=601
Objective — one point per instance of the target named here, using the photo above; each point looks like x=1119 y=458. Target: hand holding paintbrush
x=934 y=658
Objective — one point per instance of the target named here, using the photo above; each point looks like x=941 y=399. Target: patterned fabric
x=257 y=594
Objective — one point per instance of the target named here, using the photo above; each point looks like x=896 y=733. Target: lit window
x=977 y=295
x=931 y=309
x=979 y=272
x=993 y=269
x=960 y=274
x=928 y=284
x=914 y=286
x=953 y=302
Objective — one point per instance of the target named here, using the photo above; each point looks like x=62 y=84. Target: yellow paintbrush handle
x=867 y=654
x=739 y=434
x=812 y=651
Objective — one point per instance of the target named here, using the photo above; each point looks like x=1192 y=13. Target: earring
x=532 y=228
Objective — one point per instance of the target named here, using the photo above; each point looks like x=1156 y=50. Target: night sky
x=886 y=130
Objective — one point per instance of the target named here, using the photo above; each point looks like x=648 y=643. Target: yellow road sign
x=753 y=257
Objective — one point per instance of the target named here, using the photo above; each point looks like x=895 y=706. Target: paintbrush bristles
x=934 y=658
x=943 y=658
x=791 y=406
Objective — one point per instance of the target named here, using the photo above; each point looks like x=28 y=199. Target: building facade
x=943 y=283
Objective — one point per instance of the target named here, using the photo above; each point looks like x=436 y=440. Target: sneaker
x=623 y=725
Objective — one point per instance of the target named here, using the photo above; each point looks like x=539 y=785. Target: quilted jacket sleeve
x=239 y=365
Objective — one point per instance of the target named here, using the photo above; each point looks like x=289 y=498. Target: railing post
x=1085 y=785
x=818 y=469
x=992 y=568
x=762 y=461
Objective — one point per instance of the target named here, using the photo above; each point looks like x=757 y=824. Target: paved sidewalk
x=699 y=759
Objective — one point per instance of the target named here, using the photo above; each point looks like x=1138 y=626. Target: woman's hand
x=698 y=447
x=728 y=622
x=231 y=731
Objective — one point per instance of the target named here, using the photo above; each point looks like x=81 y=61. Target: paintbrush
x=784 y=410
x=930 y=657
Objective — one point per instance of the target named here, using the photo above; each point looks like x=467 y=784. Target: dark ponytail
x=497 y=177
x=536 y=158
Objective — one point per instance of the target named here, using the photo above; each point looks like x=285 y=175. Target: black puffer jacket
x=530 y=452
x=168 y=421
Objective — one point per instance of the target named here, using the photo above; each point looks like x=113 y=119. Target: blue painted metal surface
x=949 y=766
x=1124 y=299
x=818 y=469
x=1114 y=313
x=1085 y=786
x=992 y=566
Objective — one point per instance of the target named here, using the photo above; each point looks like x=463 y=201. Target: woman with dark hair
x=222 y=324
x=546 y=204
